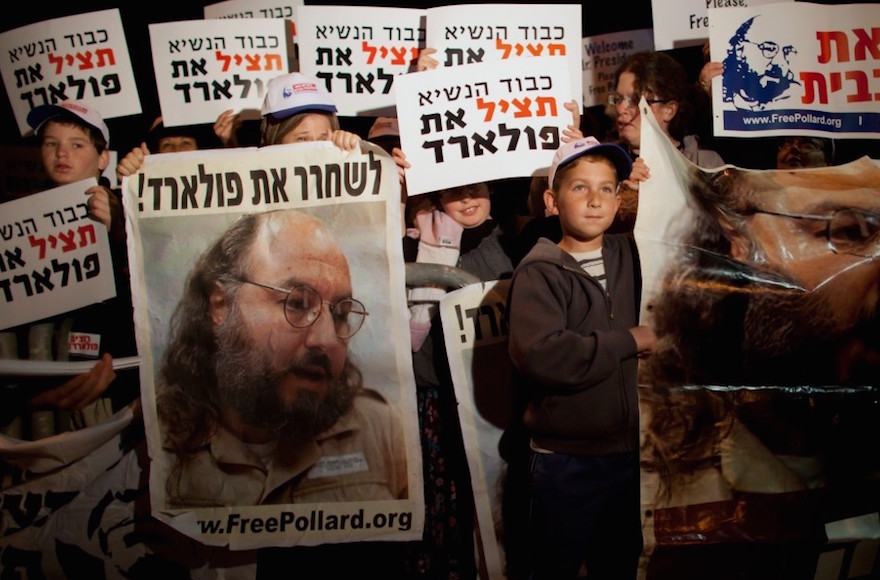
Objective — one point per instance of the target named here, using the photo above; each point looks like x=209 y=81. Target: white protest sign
x=79 y=58
x=473 y=33
x=359 y=53
x=476 y=343
x=206 y=67
x=252 y=9
x=479 y=122
x=681 y=23
x=56 y=258
x=603 y=54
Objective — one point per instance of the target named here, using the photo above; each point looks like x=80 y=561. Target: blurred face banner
x=760 y=400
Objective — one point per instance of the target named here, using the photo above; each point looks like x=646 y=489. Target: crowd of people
x=482 y=228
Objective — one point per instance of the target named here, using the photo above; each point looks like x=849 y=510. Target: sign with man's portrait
x=796 y=68
x=279 y=411
x=758 y=402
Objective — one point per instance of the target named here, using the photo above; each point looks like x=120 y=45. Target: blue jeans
x=585 y=509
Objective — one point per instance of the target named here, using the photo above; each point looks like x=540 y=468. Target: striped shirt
x=594 y=265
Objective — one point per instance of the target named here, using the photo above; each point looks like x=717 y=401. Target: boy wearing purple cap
x=574 y=342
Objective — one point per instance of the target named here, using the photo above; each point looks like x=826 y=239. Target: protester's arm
x=573 y=132
x=345 y=140
x=132 y=162
x=402 y=164
x=640 y=172
x=226 y=128
x=79 y=391
x=106 y=208
x=709 y=71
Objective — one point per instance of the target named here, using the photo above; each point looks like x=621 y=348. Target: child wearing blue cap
x=574 y=342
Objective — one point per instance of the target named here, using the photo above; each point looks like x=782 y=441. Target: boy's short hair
x=72 y=111
x=568 y=152
x=159 y=131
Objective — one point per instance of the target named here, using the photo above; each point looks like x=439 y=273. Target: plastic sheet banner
x=762 y=394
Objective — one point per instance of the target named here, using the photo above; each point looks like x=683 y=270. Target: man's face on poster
x=765 y=63
x=273 y=375
x=821 y=231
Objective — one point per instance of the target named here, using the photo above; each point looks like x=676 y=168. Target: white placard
x=359 y=52
x=479 y=122
x=473 y=33
x=205 y=67
x=252 y=9
x=56 y=258
x=78 y=58
x=682 y=23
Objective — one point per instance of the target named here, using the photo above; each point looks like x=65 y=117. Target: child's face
x=587 y=199
x=314 y=127
x=469 y=205
x=69 y=155
x=172 y=144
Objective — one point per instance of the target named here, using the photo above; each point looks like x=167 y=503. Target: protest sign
x=56 y=259
x=252 y=9
x=796 y=69
x=206 y=67
x=80 y=58
x=359 y=52
x=478 y=122
x=476 y=342
x=683 y=23
x=180 y=205
x=602 y=56
x=500 y=33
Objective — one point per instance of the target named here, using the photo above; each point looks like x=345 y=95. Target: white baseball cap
x=293 y=93
x=38 y=116
x=568 y=152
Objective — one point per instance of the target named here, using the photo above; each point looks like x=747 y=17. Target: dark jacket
x=573 y=356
